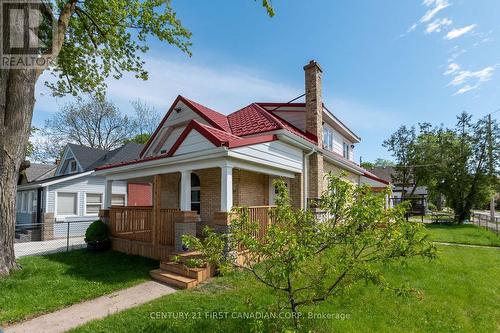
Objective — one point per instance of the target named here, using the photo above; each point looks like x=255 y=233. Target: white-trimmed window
x=118 y=200
x=67 y=203
x=327 y=138
x=93 y=203
x=345 y=152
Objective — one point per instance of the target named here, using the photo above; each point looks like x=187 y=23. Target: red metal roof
x=254 y=119
x=232 y=130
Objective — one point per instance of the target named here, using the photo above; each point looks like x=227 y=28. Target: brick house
x=202 y=163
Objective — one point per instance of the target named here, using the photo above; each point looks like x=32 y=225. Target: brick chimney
x=314 y=125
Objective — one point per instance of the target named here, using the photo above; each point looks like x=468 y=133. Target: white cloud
x=437 y=6
x=436 y=25
x=222 y=88
x=452 y=68
x=468 y=80
x=455 y=33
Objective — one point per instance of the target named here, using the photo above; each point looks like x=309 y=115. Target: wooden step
x=198 y=273
x=173 y=279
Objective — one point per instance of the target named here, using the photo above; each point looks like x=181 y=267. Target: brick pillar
x=296 y=192
x=185 y=224
x=104 y=215
x=48 y=220
x=316 y=175
x=221 y=223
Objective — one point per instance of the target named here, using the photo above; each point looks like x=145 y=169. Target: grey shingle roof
x=86 y=156
x=39 y=171
x=127 y=152
x=383 y=172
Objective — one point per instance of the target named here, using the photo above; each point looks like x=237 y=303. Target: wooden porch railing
x=262 y=215
x=132 y=223
x=166 y=227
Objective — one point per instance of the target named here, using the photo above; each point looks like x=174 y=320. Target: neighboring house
x=418 y=196
x=71 y=191
x=387 y=173
x=203 y=163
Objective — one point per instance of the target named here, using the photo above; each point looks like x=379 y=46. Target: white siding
x=90 y=184
x=174 y=135
x=194 y=142
x=274 y=153
x=338 y=142
x=175 y=119
x=296 y=118
x=183 y=116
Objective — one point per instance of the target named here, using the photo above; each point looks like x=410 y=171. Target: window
x=346 y=150
x=118 y=200
x=25 y=202
x=72 y=166
x=93 y=203
x=195 y=193
x=66 y=203
x=19 y=200
x=327 y=138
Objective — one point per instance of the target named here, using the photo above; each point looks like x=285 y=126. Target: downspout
x=305 y=181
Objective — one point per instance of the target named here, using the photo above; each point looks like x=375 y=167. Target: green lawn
x=54 y=281
x=464 y=234
x=460 y=294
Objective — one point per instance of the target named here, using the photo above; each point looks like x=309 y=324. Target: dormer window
x=72 y=166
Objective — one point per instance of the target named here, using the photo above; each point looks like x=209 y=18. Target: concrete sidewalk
x=79 y=314
x=46 y=247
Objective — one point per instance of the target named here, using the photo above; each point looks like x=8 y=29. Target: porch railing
x=166 y=227
x=262 y=215
x=132 y=223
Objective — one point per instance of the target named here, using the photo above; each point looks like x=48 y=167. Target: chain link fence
x=484 y=220
x=43 y=238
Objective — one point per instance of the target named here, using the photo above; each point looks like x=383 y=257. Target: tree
x=460 y=162
x=95 y=123
x=379 y=163
x=306 y=261
x=138 y=138
x=146 y=118
x=92 y=40
x=463 y=164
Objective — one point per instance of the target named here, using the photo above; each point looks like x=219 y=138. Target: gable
x=64 y=166
x=193 y=142
x=169 y=131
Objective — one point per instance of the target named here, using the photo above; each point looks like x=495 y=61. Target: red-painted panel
x=140 y=194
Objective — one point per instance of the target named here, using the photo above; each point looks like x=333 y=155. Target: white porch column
x=185 y=204
x=108 y=193
x=226 y=193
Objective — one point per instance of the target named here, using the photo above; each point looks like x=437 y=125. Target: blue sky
x=385 y=62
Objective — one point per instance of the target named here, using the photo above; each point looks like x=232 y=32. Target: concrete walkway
x=79 y=314
x=468 y=245
x=46 y=247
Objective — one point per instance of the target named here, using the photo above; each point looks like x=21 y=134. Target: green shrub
x=97 y=232
x=194 y=263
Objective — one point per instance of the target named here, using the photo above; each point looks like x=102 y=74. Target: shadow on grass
x=106 y=267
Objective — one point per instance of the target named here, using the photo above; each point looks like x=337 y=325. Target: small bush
x=194 y=263
x=97 y=232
